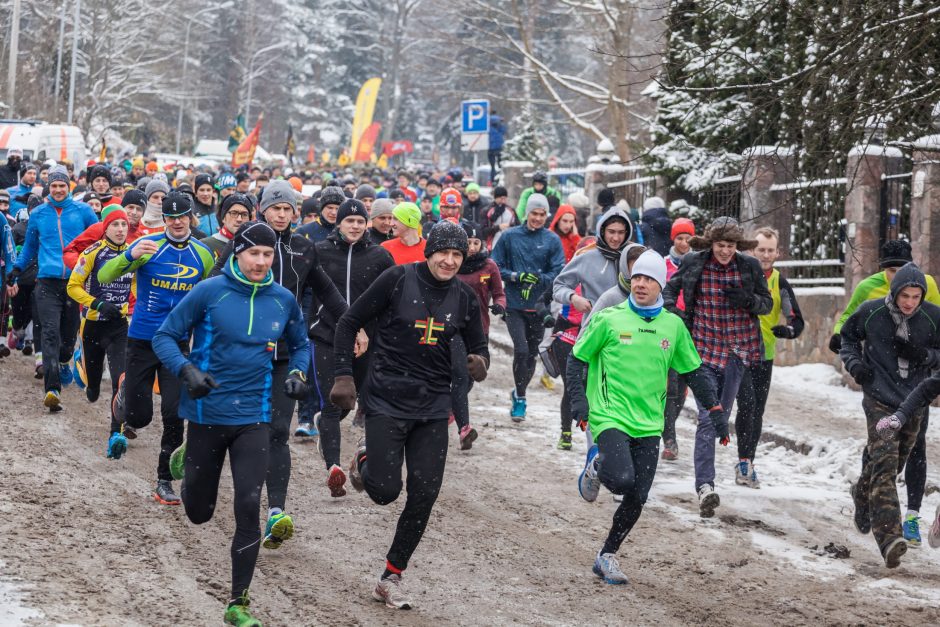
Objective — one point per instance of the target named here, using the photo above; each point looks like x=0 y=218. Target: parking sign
x=474 y=125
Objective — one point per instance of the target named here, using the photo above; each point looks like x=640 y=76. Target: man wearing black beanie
x=421 y=308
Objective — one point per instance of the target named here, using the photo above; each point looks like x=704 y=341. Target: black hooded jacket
x=352 y=268
x=656 y=228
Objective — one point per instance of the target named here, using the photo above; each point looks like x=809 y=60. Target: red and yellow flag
x=366 y=145
x=245 y=153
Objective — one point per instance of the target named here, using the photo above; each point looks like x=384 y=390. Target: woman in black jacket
x=353 y=262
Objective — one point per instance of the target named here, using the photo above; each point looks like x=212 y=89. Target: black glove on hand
x=530 y=278
x=914 y=354
x=106 y=310
x=738 y=297
x=497 y=309
x=835 y=343
x=782 y=331
x=343 y=394
x=579 y=408
x=862 y=374
x=476 y=366
x=13 y=276
x=197 y=382
x=295 y=385
x=717 y=416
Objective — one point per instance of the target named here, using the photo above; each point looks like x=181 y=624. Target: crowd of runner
x=241 y=301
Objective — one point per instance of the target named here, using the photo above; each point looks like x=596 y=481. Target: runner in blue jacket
x=236 y=320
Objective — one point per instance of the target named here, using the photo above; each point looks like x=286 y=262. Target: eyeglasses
x=176 y=218
x=239 y=215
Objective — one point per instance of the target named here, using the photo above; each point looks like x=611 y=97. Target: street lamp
x=251 y=65
x=189 y=24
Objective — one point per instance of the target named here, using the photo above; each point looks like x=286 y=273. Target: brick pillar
x=864 y=168
x=514 y=178
x=761 y=205
x=925 y=205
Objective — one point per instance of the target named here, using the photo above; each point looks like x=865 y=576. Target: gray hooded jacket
x=592 y=270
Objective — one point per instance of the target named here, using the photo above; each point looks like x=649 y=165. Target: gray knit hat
x=381 y=207
x=277 y=192
x=365 y=191
x=154 y=186
x=536 y=201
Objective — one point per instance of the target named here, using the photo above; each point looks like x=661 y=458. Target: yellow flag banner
x=365 y=108
x=245 y=153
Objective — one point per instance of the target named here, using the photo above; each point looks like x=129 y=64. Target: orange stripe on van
x=64 y=153
x=5 y=135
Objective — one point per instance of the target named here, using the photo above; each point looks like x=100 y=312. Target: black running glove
x=720 y=423
x=497 y=309
x=782 y=331
x=197 y=382
x=738 y=297
x=106 y=310
x=862 y=374
x=529 y=278
x=295 y=385
x=835 y=343
x=915 y=355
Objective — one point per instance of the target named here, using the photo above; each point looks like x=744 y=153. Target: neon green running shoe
x=280 y=527
x=239 y=615
x=178 y=462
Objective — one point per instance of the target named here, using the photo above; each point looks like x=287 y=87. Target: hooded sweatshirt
x=656 y=227
x=594 y=269
x=869 y=338
x=616 y=294
x=570 y=241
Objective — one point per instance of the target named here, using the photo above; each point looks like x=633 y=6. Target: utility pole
x=14 y=52
x=58 y=63
x=76 y=26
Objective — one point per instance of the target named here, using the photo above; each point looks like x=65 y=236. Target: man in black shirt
x=420 y=308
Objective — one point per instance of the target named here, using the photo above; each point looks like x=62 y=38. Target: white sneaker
x=392 y=592
x=607 y=568
x=933 y=536
x=707 y=501
x=589 y=485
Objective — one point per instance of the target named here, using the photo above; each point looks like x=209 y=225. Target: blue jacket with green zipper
x=235 y=325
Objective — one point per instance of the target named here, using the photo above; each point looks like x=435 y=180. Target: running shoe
x=52 y=400
x=305 y=430
x=894 y=551
x=564 y=442
x=164 y=494
x=117 y=445
x=517 y=413
x=117 y=403
x=933 y=536
x=547 y=382
x=129 y=432
x=589 y=485
x=178 y=462
x=27 y=347
x=355 y=477
x=40 y=371
x=280 y=527
x=391 y=591
x=92 y=393
x=316 y=429
x=708 y=500
x=607 y=568
x=336 y=482
x=670 y=450
x=468 y=436
x=65 y=374
x=78 y=370
x=5 y=348
x=911 y=529
x=237 y=613
x=862 y=517
x=744 y=474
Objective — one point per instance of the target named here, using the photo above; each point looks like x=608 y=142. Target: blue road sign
x=475 y=116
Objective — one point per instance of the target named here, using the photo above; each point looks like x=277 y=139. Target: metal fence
x=722 y=198
x=895 y=207
x=817 y=235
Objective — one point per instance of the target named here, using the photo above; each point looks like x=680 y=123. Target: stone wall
x=821 y=307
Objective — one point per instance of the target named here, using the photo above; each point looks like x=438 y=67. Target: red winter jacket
x=482 y=275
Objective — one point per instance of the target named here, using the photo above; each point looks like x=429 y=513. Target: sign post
x=474 y=125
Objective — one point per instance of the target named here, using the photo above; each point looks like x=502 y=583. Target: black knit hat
x=202 y=179
x=605 y=197
x=331 y=195
x=895 y=253
x=99 y=171
x=253 y=234
x=500 y=192
x=473 y=230
x=351 y=207
x=177 y=204
x=309 y=207
x=231 y=200
x=134 y=197
x=444 y=235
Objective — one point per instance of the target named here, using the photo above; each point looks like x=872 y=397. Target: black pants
x=626 y=466
x=59 y=316
x=422 y=445
x=141 y=368
x=561 y=350
x=752 y=399
x=247 y=446
x=460 y=382
x=675 y=399
x=21 y=306
x=526 y=330
x=495 y=157
x=282 y=412
x=330 y=414
x=100 y=340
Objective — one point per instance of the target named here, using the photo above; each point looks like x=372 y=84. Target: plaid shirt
x=719 y=329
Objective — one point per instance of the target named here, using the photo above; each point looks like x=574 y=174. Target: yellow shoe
x=547 y=382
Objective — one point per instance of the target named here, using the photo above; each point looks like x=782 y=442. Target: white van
x=41 y=141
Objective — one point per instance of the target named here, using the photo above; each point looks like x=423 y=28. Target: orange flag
x=366 y=145
x=245 y=153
